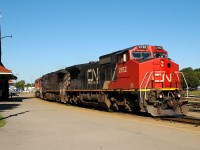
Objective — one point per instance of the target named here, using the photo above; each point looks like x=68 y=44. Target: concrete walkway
x=34 y=124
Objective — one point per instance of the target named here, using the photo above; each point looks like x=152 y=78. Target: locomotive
x=140 y=78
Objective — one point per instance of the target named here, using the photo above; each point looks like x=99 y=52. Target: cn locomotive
x=140 y=78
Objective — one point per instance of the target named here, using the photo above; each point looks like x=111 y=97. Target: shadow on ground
x=12 y=103
x=14 y=115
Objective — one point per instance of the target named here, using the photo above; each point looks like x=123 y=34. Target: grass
x=196 y=92
x=2 y=121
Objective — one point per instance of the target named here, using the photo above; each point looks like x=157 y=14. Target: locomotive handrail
x=145 y=94
x=184 y=80
x=142 y=84
x=114 y=72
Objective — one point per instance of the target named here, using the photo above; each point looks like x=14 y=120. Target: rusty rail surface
x=183 y=119
x=194 y=105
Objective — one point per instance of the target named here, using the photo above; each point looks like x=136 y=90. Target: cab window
x=160 y=55
x=141 y=55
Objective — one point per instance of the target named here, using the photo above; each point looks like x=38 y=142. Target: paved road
x=34 y=124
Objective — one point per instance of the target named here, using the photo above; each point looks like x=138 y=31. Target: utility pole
x=0 y=45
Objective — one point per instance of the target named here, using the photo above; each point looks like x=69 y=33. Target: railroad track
x=183 y=119
x=194 y=103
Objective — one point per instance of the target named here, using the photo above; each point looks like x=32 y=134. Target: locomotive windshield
x=141 y=55
x=160 y=55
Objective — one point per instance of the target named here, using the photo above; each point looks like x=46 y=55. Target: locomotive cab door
x=122 y=71
x=120 y=79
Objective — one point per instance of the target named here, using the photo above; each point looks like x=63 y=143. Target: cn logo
x=93 y=76
x=162 y=77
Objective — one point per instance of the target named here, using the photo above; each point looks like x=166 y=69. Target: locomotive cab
x=144 y=52
x=148 y=69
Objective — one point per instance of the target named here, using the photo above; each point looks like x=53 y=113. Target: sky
x=49 y=35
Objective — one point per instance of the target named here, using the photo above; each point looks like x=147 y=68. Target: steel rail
x=183 y=119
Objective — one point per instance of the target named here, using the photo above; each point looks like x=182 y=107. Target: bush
x=2 y=121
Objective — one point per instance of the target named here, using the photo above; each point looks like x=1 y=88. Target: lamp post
x=0 y=44
x=6 y=36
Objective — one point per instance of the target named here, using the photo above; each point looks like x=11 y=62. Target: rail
x=194 y=104
x=183 y=119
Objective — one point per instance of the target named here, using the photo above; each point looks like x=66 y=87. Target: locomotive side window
x=122 y=58
x=141 y=55
x=160 y=55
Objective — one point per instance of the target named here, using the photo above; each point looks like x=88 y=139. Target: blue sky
x=52 y=34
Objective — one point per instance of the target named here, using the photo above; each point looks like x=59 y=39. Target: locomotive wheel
x=115 y=107
x=44 y=97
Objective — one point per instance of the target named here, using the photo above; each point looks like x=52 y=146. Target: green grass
x=196 y=93
x=2 y=122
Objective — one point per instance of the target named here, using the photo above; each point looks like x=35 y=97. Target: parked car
x=13 y=92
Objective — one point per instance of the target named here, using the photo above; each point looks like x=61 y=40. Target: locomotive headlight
x=160 y=96
x=178 y=95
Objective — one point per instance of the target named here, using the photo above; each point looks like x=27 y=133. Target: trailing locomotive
x=139 y=78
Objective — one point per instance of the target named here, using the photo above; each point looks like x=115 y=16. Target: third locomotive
x=139 y=78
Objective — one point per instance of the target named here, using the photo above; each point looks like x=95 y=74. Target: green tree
x=198 y=73
x=28 y=85
x=20 y=84
x=191 y=77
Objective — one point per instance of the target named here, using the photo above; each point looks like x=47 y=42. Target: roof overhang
x=6 y=74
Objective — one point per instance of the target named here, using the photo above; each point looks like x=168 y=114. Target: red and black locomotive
x=139 y=78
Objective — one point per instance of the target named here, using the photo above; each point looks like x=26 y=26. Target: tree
x=198 y=73
x=191 y=77
x=28 y=85
x=20 y=84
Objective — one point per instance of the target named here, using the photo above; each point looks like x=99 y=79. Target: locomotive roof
x=75 y=66
x=61 y=71
x=117 y=52
x=80 y=66
x=111 y=58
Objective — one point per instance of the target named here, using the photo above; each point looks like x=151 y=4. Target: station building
x=5 y=76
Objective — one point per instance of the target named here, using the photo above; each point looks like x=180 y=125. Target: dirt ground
x=35 y=124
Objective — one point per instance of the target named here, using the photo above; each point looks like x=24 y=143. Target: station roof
x=6 y=74
x=4 y=70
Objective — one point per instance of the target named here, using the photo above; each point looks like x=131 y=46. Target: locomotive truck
x=140 y=78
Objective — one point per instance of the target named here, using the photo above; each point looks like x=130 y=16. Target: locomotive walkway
x=34 y=124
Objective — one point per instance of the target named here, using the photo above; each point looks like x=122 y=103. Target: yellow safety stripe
x=117 y=90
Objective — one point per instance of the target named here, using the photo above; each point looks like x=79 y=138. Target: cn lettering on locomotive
x=93 y=76
x=139 y=78
x=163 y=77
